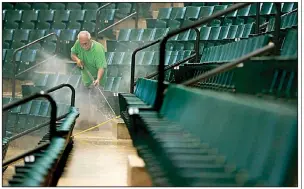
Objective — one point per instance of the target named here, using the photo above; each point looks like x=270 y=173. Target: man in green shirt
x=89 y=56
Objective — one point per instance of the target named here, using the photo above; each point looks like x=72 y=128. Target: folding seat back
x=192 y=12
x=93 y=6
x=206 y=11
x=7 y=34
x=177 y=13
x=164 y=13
x=74 y=6
x=46 y=16
x=61 y=15
x=76 y=15
x=289 y=46
x=40 y=6
x=147 y=34
x=13 y=15
x=57 y=6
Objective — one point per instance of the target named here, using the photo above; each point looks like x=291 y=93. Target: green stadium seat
x=76 y=15
x=94 y=6
x=75 y=81
x=187 y=23
x=192 y=12
x=21 y=35
x=184 y=36
x=88 y=26
x=196 y=4
x=46 y=15
x=36 y=34
x=205 y=11
x=27 y=25
x=57 y=6
x=164 y=13
x=107 y=15
x=239 y=31
x=215 y=22
x=13 y=15
x=40 y=6
x=17 y=44
x=227 y=22
x=232 y=14
x=23 y=6
x=11 y=25
x=43 y=25
x=177 y=13
x=7 y=34
x=214 y=33
x=238 y=21
x=116 y=84
x=74 y=6
x=267 y=9
x=248 y=29
x=124 y=35
x=287 y=7
x=244 y=12
x=123 y=10
x=127 y=58
x=204 y=33
x=61 y=15
x=160 y=32
x=74 y=26
x=3 y=55
x=7 y=6
x=289 y=46
x=252 y=11
x=173 y=24
x=118 y=57
x=58 y=25
x=148 y=58
x=159 y=24
x=90 y=16
x=147 y=34
x=68 y=35
x=218 y=8
x=295 y=20
x=232 y=32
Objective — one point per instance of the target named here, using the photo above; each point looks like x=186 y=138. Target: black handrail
x=116 y=23
x=38 y=148
x=61 y=86
x=34 y=96
x=229 y=66
x=97 y=18
x=23 y=47
x=132 y=84
x=257 y=18
x=160 y=87
x=277 y=28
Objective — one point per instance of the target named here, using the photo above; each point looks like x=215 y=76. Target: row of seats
x=67 y=6
x=53 y=157
x=194 y=12
x=15 y=38
x=287 y=21
x=46 y=81
x=185 y=144
x=31 y=114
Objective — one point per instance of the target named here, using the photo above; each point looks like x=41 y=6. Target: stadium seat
x=267 y=9
x=173 y=24
x=43 y=26
x=232 y=32
x=192 y=13
x=46 y=16
x=7 y=6
x=40 y=6
x=214 y=33
x=57 y=6
x=177 y=13
x=164 y=13
x=7 y=34
x=27 y=25
x=74 y=25
x=13 y=15
x=160 y=32
x=124 y=35
x=93 y=6
x=74 y=6
x=58 y=25
x=21 y=35
x=287 y=7
x=23 y=6
x=159 y=24
x=90 y=16
x=77 y=15
x=218 y=8
x=204 y=33
x=123 y=10
x=61 y=15
x=147 y=34
x=289 y=46
x=244 y=12
x=205 y=11
x=88 y=26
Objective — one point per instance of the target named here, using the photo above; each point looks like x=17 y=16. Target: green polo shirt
x=93 y=59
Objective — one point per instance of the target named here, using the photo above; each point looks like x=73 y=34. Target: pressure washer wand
x=92 y=78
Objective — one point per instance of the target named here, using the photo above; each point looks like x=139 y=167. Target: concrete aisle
x=97 y=159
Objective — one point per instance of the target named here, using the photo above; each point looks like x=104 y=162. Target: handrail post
x=257 y=18
x=277 y=28
x=197 y=44
x=161 y=66
x=133 y=62
x=23 y=47
x=97 y=22
x=38 y=95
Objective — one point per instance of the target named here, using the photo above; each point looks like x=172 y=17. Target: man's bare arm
x=77 y=60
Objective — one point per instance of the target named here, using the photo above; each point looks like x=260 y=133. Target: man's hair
x=84 y=32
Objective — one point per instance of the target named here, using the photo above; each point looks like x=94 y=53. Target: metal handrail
x=132 y=84
x=229 y=66
x=294 y=10
x=116 y=23
x=23 y=47
x=97 y=16
x=61 y=86
x=161 y=87
x=34 y=96
x=277 y=28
